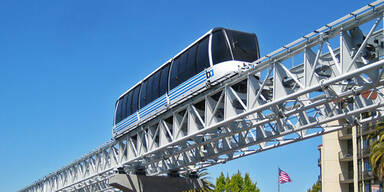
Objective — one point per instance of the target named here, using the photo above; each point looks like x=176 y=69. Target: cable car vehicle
x=215 y=56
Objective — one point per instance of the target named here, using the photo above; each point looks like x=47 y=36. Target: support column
x=361 y=152
x=355 y=160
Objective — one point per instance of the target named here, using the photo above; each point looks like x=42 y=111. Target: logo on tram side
x=209 y=73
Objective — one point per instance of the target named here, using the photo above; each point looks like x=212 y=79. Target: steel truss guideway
x=286 y=96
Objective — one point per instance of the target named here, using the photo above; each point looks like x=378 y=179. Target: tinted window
x=164 y=79
x=244 y=45
x=183 y=68
x=191 y=62
x=135 y=99
x=149 y=97
x=147 y=94
x=156 y=85
x=124 y=107
x=143 y=94
x=202 y=55
x=174 y=80
x=129 y=103
x=220 y=49
x=118 y=112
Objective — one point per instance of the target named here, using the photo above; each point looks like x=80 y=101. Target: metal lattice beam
x=265 y=106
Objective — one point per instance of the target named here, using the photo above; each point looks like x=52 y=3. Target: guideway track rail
x=262 y=107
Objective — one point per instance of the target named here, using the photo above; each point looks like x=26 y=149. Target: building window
x=367 y=187
x=350 y=187
x=367 y=165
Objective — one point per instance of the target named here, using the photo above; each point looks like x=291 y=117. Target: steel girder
x=264 y=106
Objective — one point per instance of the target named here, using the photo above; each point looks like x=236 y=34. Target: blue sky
x=64 y=63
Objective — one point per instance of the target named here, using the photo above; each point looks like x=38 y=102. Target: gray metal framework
x=264 y=106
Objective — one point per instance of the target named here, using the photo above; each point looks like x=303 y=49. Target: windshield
x=244 y=45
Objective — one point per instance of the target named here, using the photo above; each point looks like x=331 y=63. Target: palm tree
x=203 y=175
x=376 y=156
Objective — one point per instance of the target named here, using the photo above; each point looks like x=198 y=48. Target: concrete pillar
x=355 y=163
x=142 y=183
x=330 y=164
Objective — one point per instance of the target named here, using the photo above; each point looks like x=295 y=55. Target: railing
x=367 y=175
x=366 y=129
x=345 y=178
x=365 y=152
x=345 y=156
x=345 y=133
x=348 y=178
x=363 y=130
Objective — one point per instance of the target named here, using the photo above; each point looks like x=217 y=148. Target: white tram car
x=213 y=57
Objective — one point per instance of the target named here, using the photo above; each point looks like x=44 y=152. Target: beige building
x=344 y=161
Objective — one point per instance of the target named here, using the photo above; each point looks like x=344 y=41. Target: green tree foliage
x=248 y=185
x=227 y=182
x=315 y=187
x=220 y=183
x=236 y=183
x=199 y=190
x=376 y=156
